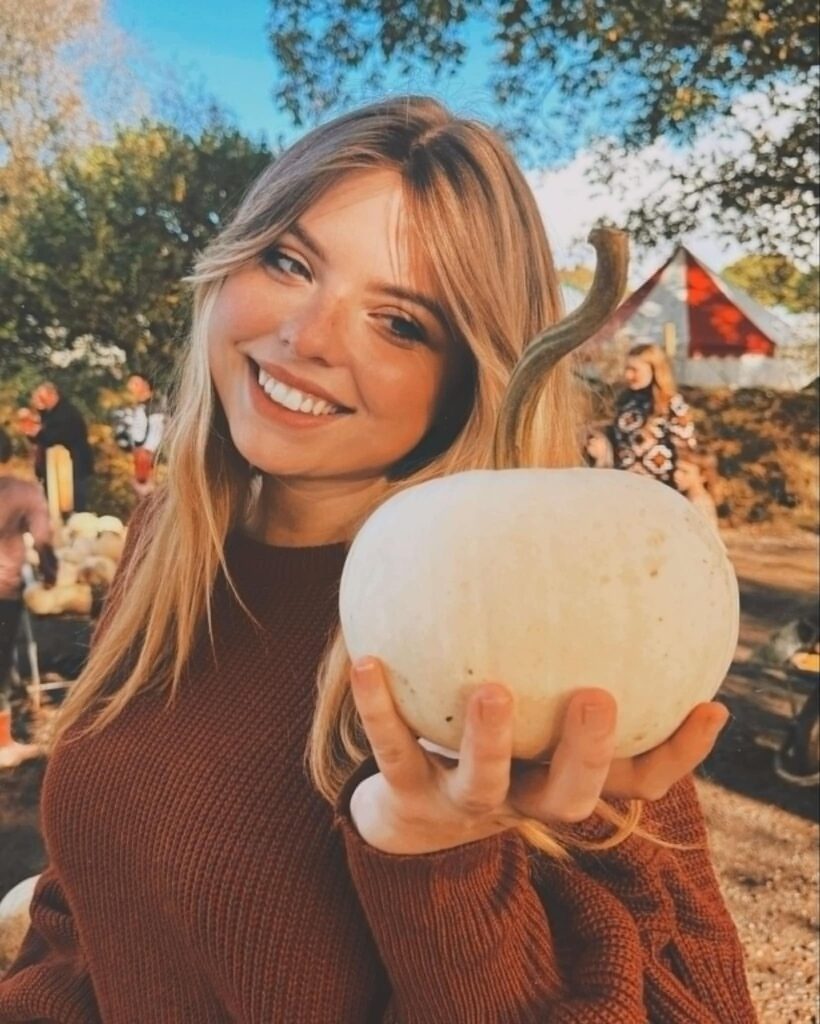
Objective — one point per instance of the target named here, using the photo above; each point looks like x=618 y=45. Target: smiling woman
x=354 y=329
x=315 y=336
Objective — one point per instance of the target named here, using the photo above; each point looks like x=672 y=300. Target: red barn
x=695 y=315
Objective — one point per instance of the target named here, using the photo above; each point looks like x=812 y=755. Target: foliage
x=775 y=281
x=61 y=73
x=92 y=271
x=632 y=72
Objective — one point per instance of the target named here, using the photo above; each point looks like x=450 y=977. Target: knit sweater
x=196 y=877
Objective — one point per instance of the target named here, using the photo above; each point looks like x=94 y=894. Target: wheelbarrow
x=792 y=656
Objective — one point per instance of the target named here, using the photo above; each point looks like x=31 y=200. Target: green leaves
x=630 y=72
x=103 y=248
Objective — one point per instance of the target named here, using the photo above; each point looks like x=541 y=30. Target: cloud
x=571 y=205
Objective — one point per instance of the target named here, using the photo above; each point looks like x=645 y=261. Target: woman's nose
x=318 y=330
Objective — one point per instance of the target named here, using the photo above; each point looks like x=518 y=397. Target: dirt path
x=764 y=831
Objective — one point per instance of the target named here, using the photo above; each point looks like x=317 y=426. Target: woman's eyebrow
x=307 y=240
x=397 y=291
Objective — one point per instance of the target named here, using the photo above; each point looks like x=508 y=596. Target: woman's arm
x=466 y=930
x=494 y=931
x=464 y=937
x=49 y=982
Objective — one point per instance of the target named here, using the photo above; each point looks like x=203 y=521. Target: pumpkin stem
x=513 y=430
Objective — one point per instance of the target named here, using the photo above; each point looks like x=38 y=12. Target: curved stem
x=514 y=428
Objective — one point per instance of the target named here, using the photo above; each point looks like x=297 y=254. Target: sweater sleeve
x=492 y=932
x=49 y=983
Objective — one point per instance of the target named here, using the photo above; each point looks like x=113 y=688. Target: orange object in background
x=143 y=465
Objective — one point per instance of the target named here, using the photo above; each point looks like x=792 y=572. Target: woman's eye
x=407 y=330
x=279 y=260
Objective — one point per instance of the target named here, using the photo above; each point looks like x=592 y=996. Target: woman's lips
x=275 y=413
x=308 y=388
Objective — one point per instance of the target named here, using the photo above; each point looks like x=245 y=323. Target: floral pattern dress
x=648 y=443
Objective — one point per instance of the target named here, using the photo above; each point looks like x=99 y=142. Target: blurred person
x=598 y=450
x=689 y=480
x=23 y=510
x=28 y=422
x=60 y=422
x=354 y=327
x=653 y=428
x=139 y=428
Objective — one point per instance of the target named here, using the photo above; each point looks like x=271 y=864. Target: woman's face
x=328 y=354
x=637 y=373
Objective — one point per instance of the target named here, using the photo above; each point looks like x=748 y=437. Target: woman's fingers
x=398 y=755
x=479 y=784
x=650 y=776
x=570 y=788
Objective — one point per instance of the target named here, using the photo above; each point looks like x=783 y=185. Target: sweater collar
x=251 y=560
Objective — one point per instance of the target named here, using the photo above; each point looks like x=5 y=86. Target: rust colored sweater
x=196 y=877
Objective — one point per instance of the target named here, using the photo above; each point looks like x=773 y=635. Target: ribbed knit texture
x=196 y=877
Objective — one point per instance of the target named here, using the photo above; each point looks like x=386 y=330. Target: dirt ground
x=764 y=830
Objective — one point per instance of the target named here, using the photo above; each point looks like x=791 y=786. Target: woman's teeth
x=292 y=398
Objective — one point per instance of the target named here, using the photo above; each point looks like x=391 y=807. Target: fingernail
x=716 y=721
x=493 y=708
x=596 y=716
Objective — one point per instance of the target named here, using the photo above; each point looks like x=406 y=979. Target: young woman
x=653 y=430
x=354 y=328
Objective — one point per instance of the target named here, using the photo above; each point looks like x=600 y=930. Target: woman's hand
x=419 y=803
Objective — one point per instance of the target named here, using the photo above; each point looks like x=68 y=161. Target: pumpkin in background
x=545 y=580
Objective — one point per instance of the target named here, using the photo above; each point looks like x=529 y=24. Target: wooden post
x=59 y=482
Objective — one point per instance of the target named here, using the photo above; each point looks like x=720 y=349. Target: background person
x=23 y=510
x=139 y=428
x=354 y=326
x=652 y=429
x=61 y=422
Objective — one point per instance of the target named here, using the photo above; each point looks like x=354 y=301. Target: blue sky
x=223 y=44
x=226 y=47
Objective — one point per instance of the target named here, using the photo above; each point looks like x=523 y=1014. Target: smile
x=292 y=398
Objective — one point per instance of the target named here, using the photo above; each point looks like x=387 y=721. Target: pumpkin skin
x=545 y=580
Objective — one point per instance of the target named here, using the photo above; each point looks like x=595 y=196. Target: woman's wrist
x=380 y=827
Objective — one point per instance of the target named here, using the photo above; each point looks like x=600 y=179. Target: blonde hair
x=664 y=387
x=475 y=223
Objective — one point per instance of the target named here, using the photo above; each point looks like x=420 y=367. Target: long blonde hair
x=475 y=223
x=664 y=387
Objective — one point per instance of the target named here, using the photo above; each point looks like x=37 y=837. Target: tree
x=96 y=263
x=776 y=281
x=59 y=71
x=730 y=87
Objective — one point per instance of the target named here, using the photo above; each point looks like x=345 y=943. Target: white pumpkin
x=67 y=572
x=110 y=524
x=545 y=580
x=109 y=545
x=74 y=599
x=82 y=524
x=97 y=571
x=15 y=918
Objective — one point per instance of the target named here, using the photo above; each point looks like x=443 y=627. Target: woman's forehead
x=368 y=208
